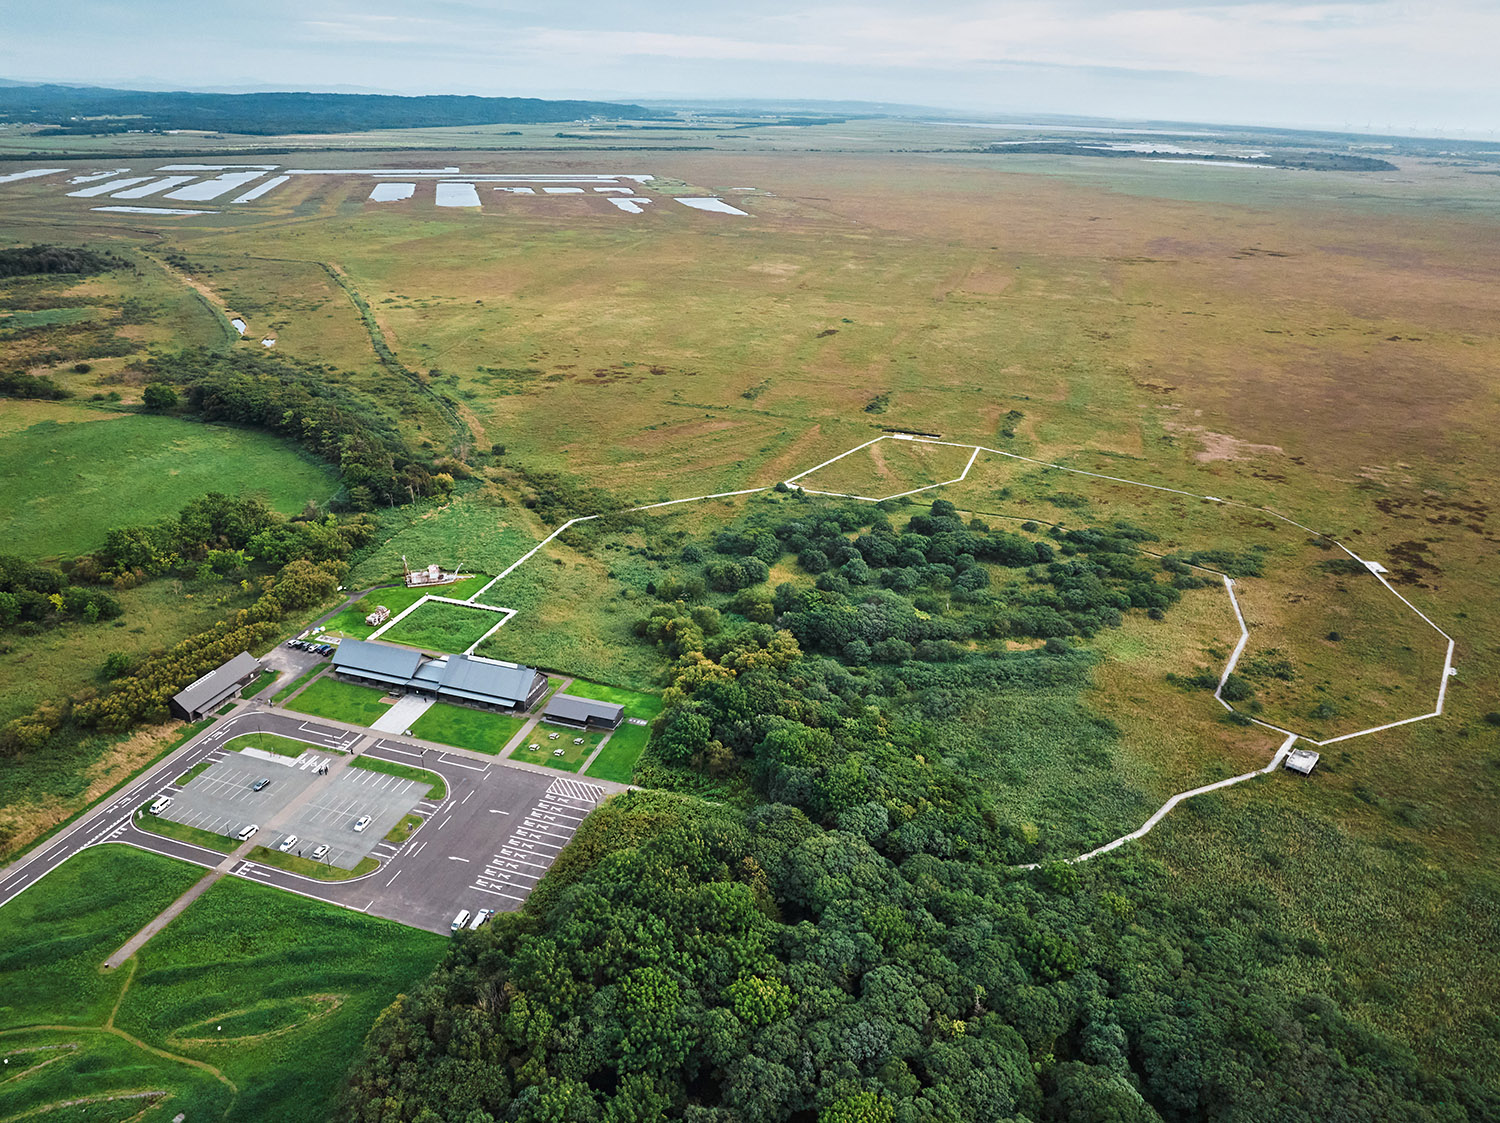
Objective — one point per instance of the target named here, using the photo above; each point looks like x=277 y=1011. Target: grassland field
x=68 y=483
x=245 y=1007
x=1319 y=344
x=467 y=728
x=438 y=626
x=343 y=701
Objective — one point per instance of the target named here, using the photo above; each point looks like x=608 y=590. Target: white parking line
x=523 y=861
x=497 y=893
x=456 y=858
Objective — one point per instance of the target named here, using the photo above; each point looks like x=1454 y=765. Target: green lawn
x=351 y=621
x=246 y=1008
x=403 y=830
x=272 y=743
x=155 y=824
x=296 y=684
x=261 y=681
x=438 y=626
x=192 y=773
x=323 y=871
x=438 y=790
x=573 y=755
x=342 y=701
x=617 y=761
x=467 y=728
x=68 y=484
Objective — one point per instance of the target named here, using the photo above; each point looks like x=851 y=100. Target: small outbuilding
x=379 y=616
x=220 y=684
x=1301 y=760
x=583 y=713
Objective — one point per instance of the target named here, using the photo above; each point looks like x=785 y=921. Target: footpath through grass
x=467 y=728
x=342 y=701
x=438 y=789
x=246 y=1008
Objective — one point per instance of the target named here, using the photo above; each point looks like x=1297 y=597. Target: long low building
x=205 y=695
x=469 y=680
x=582 y=713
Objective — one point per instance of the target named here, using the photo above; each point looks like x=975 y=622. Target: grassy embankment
x=256 y=1026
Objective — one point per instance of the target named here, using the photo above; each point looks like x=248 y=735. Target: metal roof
x=219 y=681
x=567 y=707
x=470 y=676
x=376 y=660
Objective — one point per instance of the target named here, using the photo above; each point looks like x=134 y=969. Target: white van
x=481 y=917
x=460 y=922
x=161 y=805
x=248 y=833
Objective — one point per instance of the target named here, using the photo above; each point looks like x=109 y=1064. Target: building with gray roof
x=583 y=713
x=469 y=680
x=204 y=695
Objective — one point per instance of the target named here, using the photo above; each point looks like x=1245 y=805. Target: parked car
x=287 y=843
x=460 y=922
x=361 y=823
x=481 y=918
x=320 y=852
x=260 y=785
x=161 y=805
x=248 y=833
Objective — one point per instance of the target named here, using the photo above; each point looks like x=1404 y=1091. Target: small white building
x=1301 y=760
x=379 y=616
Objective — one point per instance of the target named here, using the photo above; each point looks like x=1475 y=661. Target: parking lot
x=320 y=810
x=329 y=814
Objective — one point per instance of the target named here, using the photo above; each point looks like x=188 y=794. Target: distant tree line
x=25 y=261
x=17 y=384
x=272 y=114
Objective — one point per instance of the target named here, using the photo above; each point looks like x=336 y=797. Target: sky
x=1361 y=64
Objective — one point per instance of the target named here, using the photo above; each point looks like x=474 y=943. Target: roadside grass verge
x=155 y=824
x=404 y=829
x=298 y=683
x=438 y=789
x=275 y=743
x=322 y=871
x=466 y=728
x=617 y=760
x=193 y=773
x=342 y=701
x=263 y=680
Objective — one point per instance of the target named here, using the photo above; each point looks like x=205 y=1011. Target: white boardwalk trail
x=975 y=449
x=1145 y=828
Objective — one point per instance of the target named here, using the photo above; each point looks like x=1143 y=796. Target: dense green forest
x=841 y=933
x=273 y=114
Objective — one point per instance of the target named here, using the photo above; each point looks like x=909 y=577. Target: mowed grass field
x=438 y=626
x=467 y=728
x=246 y=1007
x=68 y=484
x=342 y=701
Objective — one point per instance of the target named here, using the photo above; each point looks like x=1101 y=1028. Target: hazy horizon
x=1355 y=65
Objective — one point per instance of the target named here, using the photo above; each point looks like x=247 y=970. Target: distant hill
x=91 y=111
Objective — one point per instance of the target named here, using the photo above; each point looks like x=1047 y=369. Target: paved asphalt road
x=483 y=846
